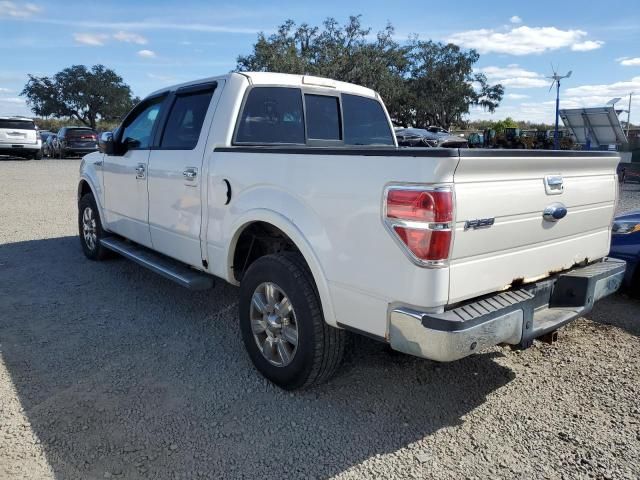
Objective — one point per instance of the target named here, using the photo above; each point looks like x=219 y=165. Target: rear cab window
x=277 y=115
x=322 y=113
x=365 y=122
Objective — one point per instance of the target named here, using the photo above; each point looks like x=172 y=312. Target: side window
x=272 y=115
x=138 y=128
x=365 y=122
x=323 y=117
x=184 y=124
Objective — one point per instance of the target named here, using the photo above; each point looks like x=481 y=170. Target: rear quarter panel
x=334 y=201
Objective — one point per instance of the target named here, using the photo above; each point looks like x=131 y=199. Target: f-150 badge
x=479 y=223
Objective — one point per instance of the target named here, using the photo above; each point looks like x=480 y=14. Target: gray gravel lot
x=109 y=371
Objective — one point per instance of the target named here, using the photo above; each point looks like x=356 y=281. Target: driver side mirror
x=106 y=144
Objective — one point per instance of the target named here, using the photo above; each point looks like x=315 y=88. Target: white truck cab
x=293 y=187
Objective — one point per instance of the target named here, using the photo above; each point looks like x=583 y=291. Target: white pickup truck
x=294 y=188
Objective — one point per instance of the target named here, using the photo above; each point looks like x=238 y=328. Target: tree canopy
x=87 y=95
x=422 y=82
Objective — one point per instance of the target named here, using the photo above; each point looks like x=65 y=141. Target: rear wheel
x=37 y=155
x=90 y=228
x=282 y=324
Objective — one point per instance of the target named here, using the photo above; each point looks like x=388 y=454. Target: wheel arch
x=84 y=188
x=273 y=220
x=86 y=185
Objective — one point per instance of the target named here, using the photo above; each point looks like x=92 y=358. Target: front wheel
x=282 y=324
x=90 y=228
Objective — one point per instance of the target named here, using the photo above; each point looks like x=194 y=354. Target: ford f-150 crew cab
x=294 y=188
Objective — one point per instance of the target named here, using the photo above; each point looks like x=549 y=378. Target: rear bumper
x=514 y=317
x=19 y=149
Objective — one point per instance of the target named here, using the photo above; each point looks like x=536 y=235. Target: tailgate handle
x=553 y=184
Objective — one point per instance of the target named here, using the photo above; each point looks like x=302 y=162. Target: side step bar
x=158 y=263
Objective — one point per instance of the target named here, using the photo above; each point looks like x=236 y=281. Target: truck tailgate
x=507 y=192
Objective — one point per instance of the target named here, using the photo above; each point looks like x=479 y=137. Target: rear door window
x=272 y=115
x=184 y=124
x=365 y=122
x=323 y=117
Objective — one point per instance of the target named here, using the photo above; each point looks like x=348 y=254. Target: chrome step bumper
x=515 y=317
x=167 y=267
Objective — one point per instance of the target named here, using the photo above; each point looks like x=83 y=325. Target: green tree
x=343 y=52
x=501 y=125
x=87 y=95
x=422 y=83
x=442 y=85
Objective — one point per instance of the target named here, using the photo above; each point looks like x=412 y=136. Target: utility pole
x=629 y=114
x=556 y=140
x=556 y=79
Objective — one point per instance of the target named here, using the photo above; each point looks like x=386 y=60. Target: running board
x=158 y=263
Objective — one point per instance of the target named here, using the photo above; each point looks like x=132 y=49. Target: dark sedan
x=76 y=141
x=625 y=245
x=430 y=137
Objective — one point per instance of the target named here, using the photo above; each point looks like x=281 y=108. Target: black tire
x=93 y=251
x=320 y=347
x=634 y=287
x=37 y=155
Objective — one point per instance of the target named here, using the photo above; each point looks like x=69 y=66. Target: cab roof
x=285 y=80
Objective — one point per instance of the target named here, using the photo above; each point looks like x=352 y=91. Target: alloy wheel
x=89 y=230
x=274 y=325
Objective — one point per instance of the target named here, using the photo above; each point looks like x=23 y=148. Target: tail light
x=421 y=219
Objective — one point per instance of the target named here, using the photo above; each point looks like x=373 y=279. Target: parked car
x=19 y=138
x=476 y=140
x=76 y=141
x=293 y=188
x=50 y=147
x=431 y=137
x=44 y=134
x=625 y=245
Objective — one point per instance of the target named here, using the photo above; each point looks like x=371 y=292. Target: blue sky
x=156 y=43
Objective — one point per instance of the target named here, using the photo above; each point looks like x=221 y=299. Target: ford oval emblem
x=554 y=212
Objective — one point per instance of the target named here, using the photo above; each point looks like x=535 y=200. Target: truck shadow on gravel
x=620 y=311
x=122 y=374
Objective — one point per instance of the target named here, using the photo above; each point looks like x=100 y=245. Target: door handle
x=140 y=170
x=190 y=173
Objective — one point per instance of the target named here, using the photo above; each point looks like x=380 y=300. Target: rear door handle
x=190 y=173
x=140 y=170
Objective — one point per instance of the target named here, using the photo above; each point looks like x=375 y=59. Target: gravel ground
x=109 y=371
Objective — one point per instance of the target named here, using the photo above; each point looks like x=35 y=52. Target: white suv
x=19 y=138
